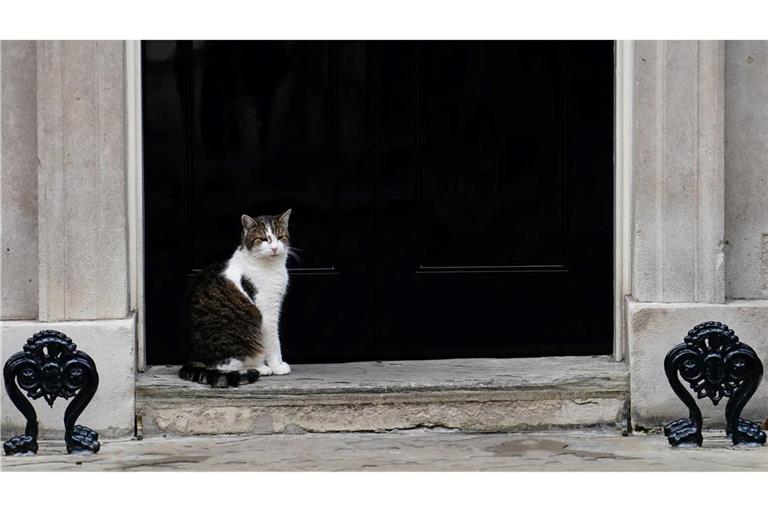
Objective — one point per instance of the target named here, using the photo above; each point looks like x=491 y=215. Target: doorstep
x=474 y=395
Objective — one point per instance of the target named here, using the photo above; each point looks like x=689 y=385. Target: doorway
x=451 y=199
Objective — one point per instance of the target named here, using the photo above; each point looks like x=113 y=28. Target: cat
x=232 y=308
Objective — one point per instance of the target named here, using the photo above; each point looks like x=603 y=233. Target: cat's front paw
x=264 y=370
x=281 y=369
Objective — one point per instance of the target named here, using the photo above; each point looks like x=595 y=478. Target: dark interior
x=450 y=199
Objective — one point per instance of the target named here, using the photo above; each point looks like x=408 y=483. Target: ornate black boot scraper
x=50 y=366
x=715 y=364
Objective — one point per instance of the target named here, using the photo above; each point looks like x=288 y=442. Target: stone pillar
x=18 y=180
x=64 y=217
x=679 y=172
x=82 y=183
x=679 y=211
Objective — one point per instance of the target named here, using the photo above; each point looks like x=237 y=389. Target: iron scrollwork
x=716 y=365
x=51 y=367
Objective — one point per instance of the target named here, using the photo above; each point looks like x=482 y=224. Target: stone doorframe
x=624 y=72
x=135 y=194
x=622 y=214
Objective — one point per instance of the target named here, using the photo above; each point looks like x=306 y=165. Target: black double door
x=450 y=199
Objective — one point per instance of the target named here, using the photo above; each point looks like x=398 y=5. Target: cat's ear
x=283 y=218
x=247 y=222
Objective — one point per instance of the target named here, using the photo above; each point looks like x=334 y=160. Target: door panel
x=451 y=199
x=490 y=167
x=501 y=245
x=268 y=139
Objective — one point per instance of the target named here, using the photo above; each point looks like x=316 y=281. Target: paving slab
x=401 y=451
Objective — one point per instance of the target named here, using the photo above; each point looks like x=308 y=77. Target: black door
x=451 y=199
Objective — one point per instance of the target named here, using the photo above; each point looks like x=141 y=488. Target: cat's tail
x=199 y=372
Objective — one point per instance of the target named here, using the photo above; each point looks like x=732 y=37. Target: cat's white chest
x=270 y=280
x=270 y=287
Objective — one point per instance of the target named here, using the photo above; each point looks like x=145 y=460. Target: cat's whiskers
x=293 y=253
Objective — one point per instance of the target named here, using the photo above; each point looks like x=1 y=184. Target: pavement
x=413 y=450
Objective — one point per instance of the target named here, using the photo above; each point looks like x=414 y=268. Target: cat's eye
x=282 y=237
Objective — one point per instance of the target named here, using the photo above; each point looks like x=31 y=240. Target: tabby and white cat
x=232 y=308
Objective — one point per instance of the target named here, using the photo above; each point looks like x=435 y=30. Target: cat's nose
x=274 y=250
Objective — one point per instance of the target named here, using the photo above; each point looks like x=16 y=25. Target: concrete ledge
x=111 y=345
x=468 y=394
x=654 y=328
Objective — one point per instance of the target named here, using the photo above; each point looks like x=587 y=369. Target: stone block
x=111 y=345
x=654 y=328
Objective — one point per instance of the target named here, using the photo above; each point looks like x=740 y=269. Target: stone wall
x=746 y=159
x=18 y=180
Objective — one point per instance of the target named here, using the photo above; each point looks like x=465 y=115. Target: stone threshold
x=479 y=395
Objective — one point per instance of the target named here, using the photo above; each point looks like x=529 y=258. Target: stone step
x=476 y=395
